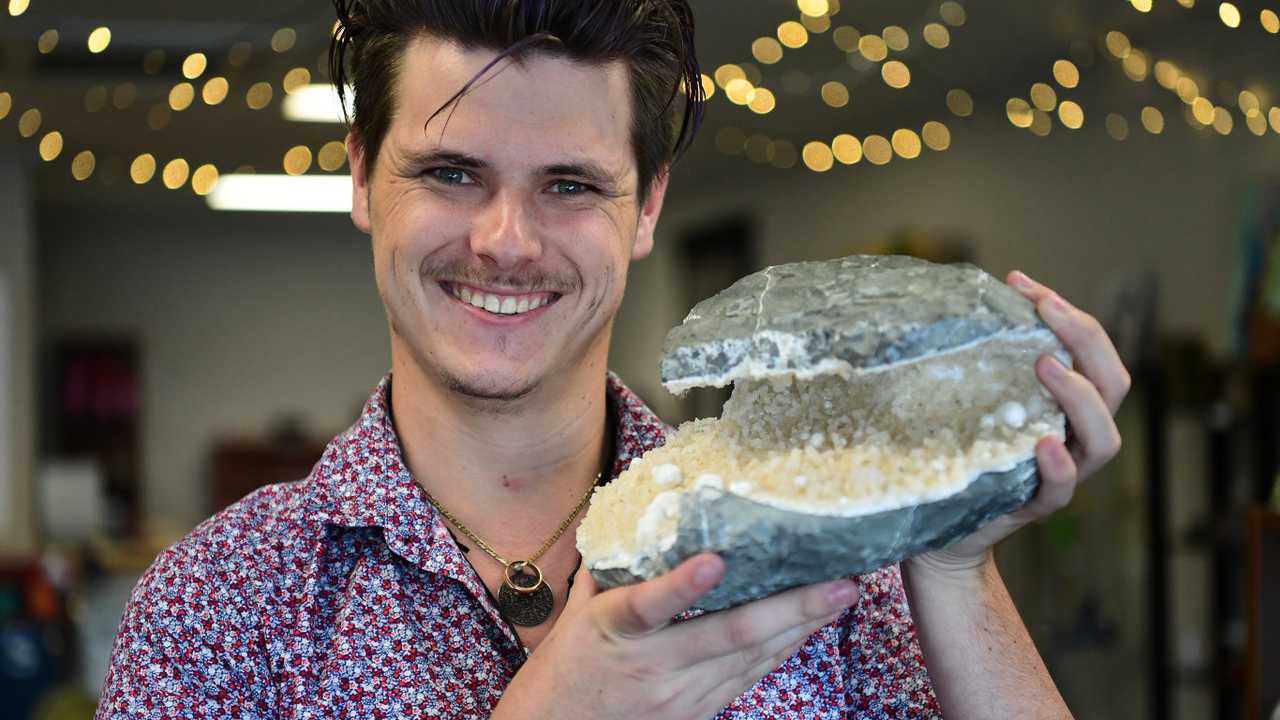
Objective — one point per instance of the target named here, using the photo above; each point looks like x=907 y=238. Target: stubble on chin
x=484 y=393
x=484 y=396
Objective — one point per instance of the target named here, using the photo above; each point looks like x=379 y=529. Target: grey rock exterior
x=767 y=550
x=860 y=312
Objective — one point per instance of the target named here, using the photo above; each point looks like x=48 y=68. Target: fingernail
x=706 y=572
x=843 y=594
x=1021 y=280
x=1055 y=368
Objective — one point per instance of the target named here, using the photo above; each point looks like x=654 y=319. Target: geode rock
x=768 y=550
x=862 y=311
x=882 y=407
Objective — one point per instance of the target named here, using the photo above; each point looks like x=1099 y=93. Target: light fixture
x=316 y=103
x=99 y=39
x=282 y=193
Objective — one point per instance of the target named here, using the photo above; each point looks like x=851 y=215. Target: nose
x=503 y=231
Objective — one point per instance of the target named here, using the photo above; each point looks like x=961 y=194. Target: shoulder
x=252 y=530
x=233 y=555
x=638 y=428
x=191 y=642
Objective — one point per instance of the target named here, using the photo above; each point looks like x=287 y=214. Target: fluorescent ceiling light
x=316 y=103
x=282 y=193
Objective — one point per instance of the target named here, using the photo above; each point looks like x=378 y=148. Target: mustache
x=528 y=281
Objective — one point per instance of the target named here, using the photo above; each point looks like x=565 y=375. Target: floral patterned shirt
x=343 y=595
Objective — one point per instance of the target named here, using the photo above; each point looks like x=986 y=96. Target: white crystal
x=1013 y=414
x=666 y=474
x=709 y=480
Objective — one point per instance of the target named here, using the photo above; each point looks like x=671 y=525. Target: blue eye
x=450 y=176
x=570 y=187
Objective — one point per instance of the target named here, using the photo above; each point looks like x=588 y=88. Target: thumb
x=584 y=588
x=646 y=607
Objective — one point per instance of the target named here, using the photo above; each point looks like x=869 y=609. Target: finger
x=1091 y=421
x=1058 y=480
x=584 y=588
x=731 y=632
x=638 y=610
x=1094 y=354
x=1092 y=350
x=1030 y=289
x=736 y=684
x=771 y=652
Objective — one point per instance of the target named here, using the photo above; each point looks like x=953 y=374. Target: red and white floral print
x=343 y=595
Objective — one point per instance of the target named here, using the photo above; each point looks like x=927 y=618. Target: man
x=510 y=159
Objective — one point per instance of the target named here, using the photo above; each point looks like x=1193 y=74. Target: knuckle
x=1049 y=504
x=1114 y=443
x=738 y=632
x=641 y=671
x=1093 y=328
x=611 y=622
x=599 y=625
x=1126 y=381
x=1064 y=499
x=751 y=656
x=790 y=651
x=813 y=603
x=1081 y=330
x=632 y=619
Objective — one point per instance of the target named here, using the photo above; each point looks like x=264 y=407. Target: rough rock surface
x=767 y=550
x=863 y=311
x=855 y=314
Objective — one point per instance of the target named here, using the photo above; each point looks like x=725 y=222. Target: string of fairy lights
x=214 y=90
x=1139 y=65
x=886 y=51
x=885 y=54
x=1036 y=113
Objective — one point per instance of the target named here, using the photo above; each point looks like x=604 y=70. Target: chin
x=485 y=386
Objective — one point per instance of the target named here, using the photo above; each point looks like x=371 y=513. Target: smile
x=499 y=303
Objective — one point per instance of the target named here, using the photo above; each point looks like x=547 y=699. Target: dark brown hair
x=653 y=37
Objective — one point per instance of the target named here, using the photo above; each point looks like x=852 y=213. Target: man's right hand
x=617 y=654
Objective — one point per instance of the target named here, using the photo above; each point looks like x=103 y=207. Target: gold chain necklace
x=525 y=598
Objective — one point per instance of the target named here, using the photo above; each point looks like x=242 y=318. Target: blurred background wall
x=161 y=358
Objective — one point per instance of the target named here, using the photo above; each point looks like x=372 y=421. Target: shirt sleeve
x=882 y=654
x=184 y=649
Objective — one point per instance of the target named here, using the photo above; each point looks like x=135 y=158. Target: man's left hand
x=1089 y=394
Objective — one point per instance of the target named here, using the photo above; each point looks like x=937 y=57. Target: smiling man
x=510 y=159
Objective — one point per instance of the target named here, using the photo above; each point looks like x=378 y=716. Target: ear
x=359 y=182
x=648 y=220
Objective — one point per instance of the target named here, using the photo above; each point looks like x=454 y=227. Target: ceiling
x=997 y=53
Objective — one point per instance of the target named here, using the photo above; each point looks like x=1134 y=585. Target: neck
x=493 y=460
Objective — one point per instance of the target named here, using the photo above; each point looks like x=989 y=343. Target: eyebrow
x=588 y=170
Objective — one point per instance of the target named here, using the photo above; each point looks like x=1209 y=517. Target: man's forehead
x=545 y=109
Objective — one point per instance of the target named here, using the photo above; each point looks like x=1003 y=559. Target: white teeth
x=508 y=305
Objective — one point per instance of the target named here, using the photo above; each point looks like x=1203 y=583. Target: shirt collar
x=362 y=480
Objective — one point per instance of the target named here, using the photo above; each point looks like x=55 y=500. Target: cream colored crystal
x=837 y=444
